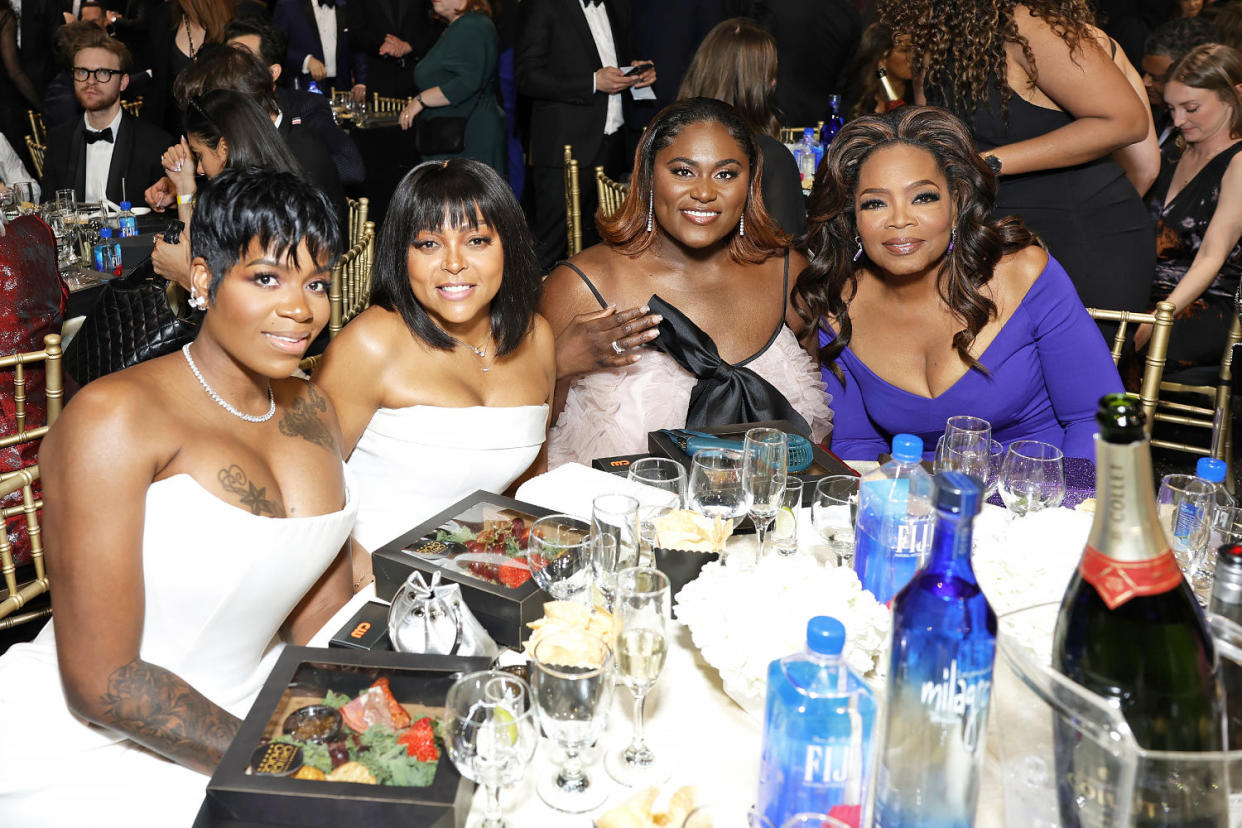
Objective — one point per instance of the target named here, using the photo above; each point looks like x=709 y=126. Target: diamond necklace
x=481 y=353
x=211 y=392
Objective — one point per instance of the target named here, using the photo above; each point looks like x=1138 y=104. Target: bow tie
x=327 y=4
x=105 y=135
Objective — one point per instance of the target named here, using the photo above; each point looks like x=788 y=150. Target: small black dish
x=313 y=723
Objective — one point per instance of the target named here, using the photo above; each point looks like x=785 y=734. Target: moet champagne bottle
x=1130 y=630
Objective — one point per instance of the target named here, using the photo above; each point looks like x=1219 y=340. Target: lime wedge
x=786 y=523
x=506 y=724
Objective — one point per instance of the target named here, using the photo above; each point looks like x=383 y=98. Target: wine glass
x=643 y=602
x=490 y=733
x=559 y=557
x=1032 y=477
x=715 y=487
x=964 y=447
x=667 y=476
x=833 y=513
x=765 y=465
x=571 y=677
x=1185 y=505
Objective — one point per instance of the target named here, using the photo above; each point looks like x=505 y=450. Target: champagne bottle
x=1130 y=630
x=891 y=99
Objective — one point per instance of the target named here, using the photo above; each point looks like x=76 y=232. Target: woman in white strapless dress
x=195 y=506
x=693 y=250
x=443 y=385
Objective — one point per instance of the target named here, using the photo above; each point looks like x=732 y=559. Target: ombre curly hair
x=958 y=46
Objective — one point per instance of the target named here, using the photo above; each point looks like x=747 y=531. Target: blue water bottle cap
x=1211 y=469
x=957 y=493
x=907 y=448
x=125 y=205
x=105 y=232
x=825 y=635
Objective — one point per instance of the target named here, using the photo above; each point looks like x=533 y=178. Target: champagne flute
x=608 y=559
x=643 y=602
x=715 y=488
x=617 y=515
x=1032 y=477
x=490 y=733
x=765 y=464
x=667 y=476
x=559 y=557
x=571 y=677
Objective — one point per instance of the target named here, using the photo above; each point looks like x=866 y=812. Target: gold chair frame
x=611 y=193
x=350 y=292
x=359 y=209
x=38 y=129
x=16 y=595
x=37 y=152
x=1161 y=321
x=573 y=205
x=792 y=135
x=383 y=105
x=133 y=107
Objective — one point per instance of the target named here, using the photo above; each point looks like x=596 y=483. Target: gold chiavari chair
x=37 y=153
x=132 y=107
x=37 y=127
x=611 y=193
x=1215 y=416
x=15 y=595
x=351 y=281
x=382 y=105
x=792 y=135
x=573 y=204
x=359 y=209
x=1161 y=322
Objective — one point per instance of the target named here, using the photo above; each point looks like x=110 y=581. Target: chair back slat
x=51 y=356
x=37 y=150
x=350 y=292
x=38 y=128
x=573 y=205
x=1161 y=321
x=611 y=193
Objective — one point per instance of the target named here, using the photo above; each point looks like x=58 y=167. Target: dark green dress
x=463 y=65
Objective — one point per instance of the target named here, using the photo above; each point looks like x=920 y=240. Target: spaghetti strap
x=780 y=324
x=600 y=298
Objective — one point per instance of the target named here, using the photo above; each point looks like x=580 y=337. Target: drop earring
x=741 y=225
x=858 y=254
x=197 y=301
x=650 y=208
x=952 y=239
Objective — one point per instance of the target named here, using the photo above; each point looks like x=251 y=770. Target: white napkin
x=571 y=488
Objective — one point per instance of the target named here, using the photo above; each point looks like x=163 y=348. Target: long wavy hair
x=831 y=225
x=736 y=63
x=958 y=46
x=626 y=229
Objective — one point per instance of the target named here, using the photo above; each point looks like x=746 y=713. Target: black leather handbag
x=131 y=322
x=442 y=136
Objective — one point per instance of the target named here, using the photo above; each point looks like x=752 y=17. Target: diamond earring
x=197 y=301
x=741 y=225
x=858 y=255
x=650 y=208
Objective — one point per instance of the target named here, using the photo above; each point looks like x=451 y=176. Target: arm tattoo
x=302 y=420
x=160 y=711
x=253 y=497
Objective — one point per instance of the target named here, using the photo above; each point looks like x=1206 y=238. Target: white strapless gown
x=413 y=462
x=219 y=582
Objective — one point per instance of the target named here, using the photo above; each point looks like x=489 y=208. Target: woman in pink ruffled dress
x=694 y=248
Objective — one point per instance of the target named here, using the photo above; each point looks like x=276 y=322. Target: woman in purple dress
x=928 y=307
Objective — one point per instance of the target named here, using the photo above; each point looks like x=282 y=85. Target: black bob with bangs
x=457 y=193
x=279 y=210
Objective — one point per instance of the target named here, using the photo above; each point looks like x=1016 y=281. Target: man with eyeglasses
x=94 y=155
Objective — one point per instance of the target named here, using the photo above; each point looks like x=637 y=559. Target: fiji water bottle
x=818 y=732
x=811 y=140
x=834 y=123
x=893 y=530
x=944 y=641
x=108 y=253
x=126 y=221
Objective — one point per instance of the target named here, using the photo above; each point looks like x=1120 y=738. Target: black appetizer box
x=236 y=796
x=825 y=463
x=367 y=630
x=464 y=544
x=619 y=464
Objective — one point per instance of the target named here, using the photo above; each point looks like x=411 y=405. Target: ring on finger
x=617 y=347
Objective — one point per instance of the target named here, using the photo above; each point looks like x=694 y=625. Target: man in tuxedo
x=267 y=43
x=568 y=54
x=393 y=35
x=319 y=45
x=95 y=154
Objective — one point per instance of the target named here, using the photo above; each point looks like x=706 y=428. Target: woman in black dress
x=1197 y=205
x=1045 y=105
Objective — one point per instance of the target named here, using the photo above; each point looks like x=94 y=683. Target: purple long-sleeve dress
x=1047 y=369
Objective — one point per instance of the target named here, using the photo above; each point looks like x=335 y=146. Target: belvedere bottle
x=1131 y=631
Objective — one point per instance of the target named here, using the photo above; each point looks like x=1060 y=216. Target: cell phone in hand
x=172 y=233
x=637 y=69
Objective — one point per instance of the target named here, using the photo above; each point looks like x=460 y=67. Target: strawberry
x=513 y=574
x=420 y=741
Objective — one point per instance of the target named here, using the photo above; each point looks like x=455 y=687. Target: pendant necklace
x=211 y=392
x=189 y=39
x=481 y=353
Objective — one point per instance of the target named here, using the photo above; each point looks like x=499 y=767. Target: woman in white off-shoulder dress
x=692 y=249
x=443 y=385
x=195 y=506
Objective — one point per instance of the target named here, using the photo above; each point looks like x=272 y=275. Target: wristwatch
x=994 y=163
x=419 y=98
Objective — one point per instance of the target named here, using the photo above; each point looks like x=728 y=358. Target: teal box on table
x=480 y=544
x=239 y=797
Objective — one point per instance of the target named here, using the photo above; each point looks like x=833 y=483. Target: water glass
x=559 y=557
x=1032 y=477
x=1185 y=504
x=833 y=513
x=490 y=733
x=765 y=465
x=643 y=608
x=715 y=487
x=785 y=528
x=66 y=200
x=571 y=678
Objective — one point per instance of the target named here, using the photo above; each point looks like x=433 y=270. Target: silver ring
x=617 y=347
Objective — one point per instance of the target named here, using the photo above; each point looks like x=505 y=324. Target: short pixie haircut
x=458 y=193
x=279 y=210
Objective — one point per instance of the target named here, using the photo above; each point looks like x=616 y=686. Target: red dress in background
x=33 y=298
